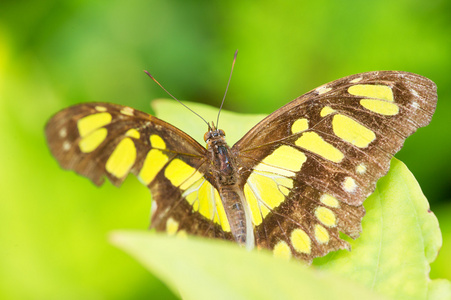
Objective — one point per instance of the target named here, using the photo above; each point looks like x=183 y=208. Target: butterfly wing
x=100 y=140
x=307 y=168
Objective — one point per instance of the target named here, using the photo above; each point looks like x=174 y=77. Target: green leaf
x=212 y=269
x=400 y=239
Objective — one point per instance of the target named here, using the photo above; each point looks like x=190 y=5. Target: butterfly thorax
x=223 y=163
x=224 y=168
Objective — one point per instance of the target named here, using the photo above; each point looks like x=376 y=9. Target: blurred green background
x=54 y=224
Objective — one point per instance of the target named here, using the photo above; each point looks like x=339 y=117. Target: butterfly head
x=213 y=133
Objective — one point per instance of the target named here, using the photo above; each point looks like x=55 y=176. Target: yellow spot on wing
x=157 y=142
x=282 y=250
x=352 y=132
x=263 y=193
x=195 y=177
x=299 y=125
x=381 y=107
x=283 y=181
x=122 y=158
x=284 y=190
x=92 y=122
x=181 y=174
x=90 y=142
x=285 y=161
x=301 y=241
x=193 y=199
x=205 y=199
x=220 y=211
x=325 y=216
x=253 y=205
x=172 y=226
x=383 y=92
x=329 y=200
x=198 y=191
x=327 y=110
x=154 y=162
x=321 y=234
x=271 y=169
x=133 y=133
x=314 y=143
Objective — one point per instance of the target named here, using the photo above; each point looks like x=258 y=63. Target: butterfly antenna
x=147 y=72
x=228 y=83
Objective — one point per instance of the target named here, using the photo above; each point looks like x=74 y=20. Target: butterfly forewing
x=103 y=139
x=323 y=154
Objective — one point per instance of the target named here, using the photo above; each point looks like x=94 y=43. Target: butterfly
x=290 y=184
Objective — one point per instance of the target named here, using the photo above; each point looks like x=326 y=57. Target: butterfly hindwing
x=308 y=167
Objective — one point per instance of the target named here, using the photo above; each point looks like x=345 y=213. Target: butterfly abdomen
x=235 y=212
x=224 y=166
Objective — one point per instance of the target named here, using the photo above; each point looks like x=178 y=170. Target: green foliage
x=206 y=269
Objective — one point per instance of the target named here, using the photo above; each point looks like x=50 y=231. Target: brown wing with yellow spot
x=100 y=140
x=308 y=167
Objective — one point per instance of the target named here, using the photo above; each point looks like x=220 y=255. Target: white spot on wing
x=127 y=111
x=100 y=108
x=66 y=146
x=361 y=168
x=153 y=208
x=355 y=80
x=63 y=132
x=415 y=93
x=323 y=89
x=349 y=185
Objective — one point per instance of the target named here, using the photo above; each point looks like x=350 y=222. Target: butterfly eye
x=207 y=135
x=221 y=132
